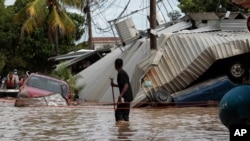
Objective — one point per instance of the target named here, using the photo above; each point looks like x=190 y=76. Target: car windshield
x=47 y=84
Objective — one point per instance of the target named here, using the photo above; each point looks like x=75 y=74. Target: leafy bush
x=64 y=73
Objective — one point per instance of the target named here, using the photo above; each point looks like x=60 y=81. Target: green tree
x=65 y=74
x=8 y=37
x=194 y=6
x=32 y=52
x=2 y=55
x=37 y=13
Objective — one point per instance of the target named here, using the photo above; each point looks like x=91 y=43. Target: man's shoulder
x=122 y=72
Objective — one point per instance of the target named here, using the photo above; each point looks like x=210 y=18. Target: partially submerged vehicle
x=205 y=93
x=53 y=99
x=41 y=90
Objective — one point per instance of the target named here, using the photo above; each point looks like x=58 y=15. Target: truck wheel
x=237 y=72
x=162 y=96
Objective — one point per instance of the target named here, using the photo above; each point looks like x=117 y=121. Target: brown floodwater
x=96 y=123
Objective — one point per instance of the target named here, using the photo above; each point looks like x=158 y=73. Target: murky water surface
x=97 y=123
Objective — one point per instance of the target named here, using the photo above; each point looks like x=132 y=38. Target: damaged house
x=187 y=52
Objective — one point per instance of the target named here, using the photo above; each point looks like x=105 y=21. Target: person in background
x=11 y=81
x=22 y=79
x=16 y=78
x=123 y=83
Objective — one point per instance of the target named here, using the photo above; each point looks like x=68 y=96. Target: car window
x=47 y=84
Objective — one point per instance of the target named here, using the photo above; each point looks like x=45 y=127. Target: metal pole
x=153 y=44
x=90 y=42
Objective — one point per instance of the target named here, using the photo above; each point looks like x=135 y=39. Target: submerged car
x=37 y=85
x=208 y=91
x=205 y=93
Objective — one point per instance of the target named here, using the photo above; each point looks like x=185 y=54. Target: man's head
x=15 y=71
x=118 y=64
x=10 y=74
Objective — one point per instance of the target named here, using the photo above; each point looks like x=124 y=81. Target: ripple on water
x=97 y=123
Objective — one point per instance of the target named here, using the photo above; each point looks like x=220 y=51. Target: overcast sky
x=110 y=10
x=9 y=2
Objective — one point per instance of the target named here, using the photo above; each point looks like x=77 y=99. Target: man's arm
x=113 y=84
x=124 y=90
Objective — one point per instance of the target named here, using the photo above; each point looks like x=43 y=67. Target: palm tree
x=52 y=12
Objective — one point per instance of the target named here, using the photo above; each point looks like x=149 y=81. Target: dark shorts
x=122 y=111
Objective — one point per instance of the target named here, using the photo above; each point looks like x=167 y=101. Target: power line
x=100 y=18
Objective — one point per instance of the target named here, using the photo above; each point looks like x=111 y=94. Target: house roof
x=244 y=3
x=70 y=55
x=203 y=16
x=85 y=55
x=233 y=15
x=105 y=39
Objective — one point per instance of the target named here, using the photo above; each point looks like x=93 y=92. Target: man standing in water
x=123 y=107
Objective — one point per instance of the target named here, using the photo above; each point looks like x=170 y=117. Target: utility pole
x=90 y=42
x=152 y=19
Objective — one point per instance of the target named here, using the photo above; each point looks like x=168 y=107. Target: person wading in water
x=123 y=107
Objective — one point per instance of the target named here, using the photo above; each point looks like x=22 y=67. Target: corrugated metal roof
x=176 y=27
x=234 y=25
x=202 y=29
x=203 y=16
x=70 y=55
x=236 y=15
x=186 y=56
x=85 y=55
x=106 y=39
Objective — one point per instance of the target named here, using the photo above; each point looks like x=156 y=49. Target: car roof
x=48 y=77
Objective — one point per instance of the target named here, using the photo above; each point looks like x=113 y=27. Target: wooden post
x=153 y=43
x=90 y=42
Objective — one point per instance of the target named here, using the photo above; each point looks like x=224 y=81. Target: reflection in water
x=98 y=123
x=124 y=131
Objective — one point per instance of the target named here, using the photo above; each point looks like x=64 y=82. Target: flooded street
x=97 y=123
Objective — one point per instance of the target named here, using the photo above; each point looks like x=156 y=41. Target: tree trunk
x=56 y=41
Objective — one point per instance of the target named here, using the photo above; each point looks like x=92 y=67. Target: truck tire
x=237 y=72
x=162 y=96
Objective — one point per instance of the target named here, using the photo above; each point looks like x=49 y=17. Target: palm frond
x=60 y=19
x=70 y=25
x=55 y=21
x=34 y=15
